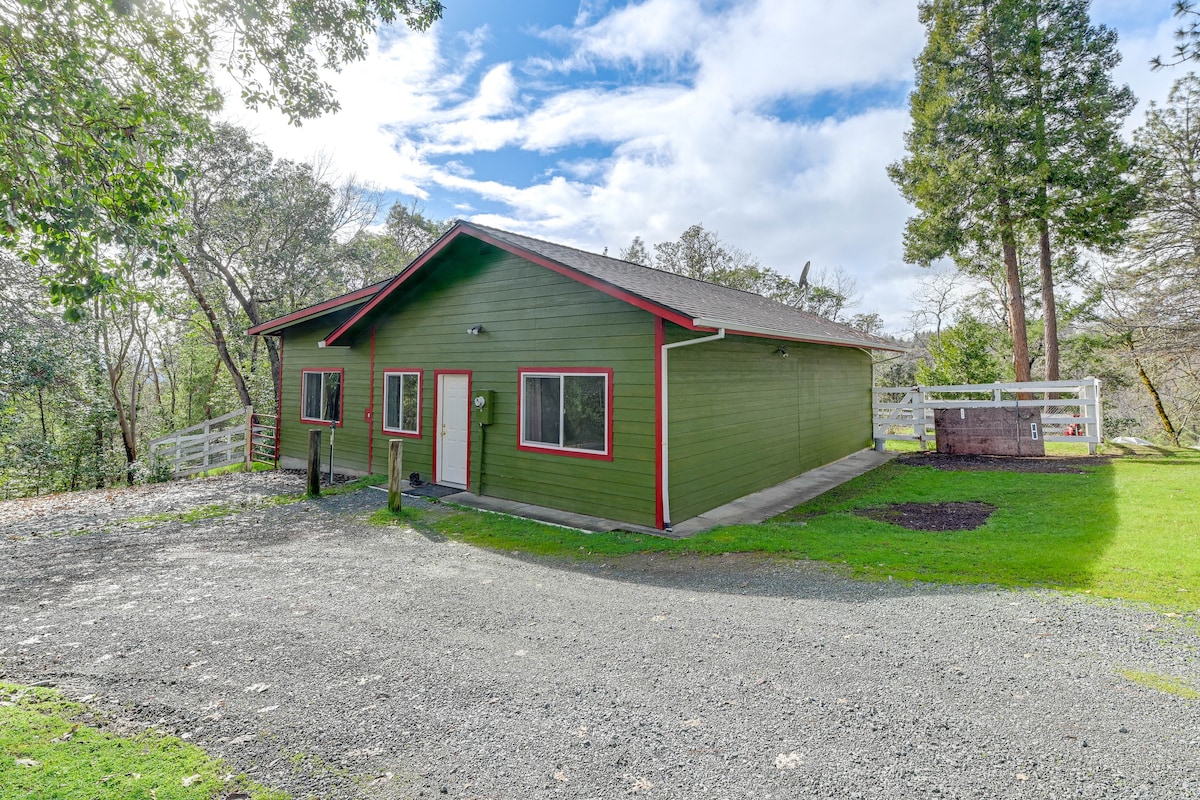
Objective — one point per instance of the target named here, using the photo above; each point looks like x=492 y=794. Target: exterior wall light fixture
x=475 y=330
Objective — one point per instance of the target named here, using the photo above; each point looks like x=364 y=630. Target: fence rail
x=1071 y=410
x=240 y=437
x=264 y=439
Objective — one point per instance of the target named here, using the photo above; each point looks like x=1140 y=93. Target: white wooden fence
x=1071 y=410
x=240 y=437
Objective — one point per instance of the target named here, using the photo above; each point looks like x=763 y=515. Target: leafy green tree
x=56 y=423
x=701 y=254
x=261 y=233
x=370 y=256
x=99 y=99
x=1151 y=313
x=963 y=353
x=1165 y=276
x=636 y=253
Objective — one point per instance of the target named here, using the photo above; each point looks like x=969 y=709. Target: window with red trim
x=402 y=402
x=321 y=396
x=565 y=410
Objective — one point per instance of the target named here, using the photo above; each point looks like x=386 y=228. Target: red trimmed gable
x=466 y=229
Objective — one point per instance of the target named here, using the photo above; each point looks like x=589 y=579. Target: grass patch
x=216 y=510
x=191 y=515
x=1126 y=528
x=52 y=749
x=349 y=486
x=257 y=466
x=355 y=485
x=1123 y=529
x=1160 y=683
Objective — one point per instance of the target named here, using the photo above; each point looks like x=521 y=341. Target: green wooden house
x=526 y=370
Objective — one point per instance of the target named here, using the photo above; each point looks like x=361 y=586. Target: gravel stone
x=335 y=659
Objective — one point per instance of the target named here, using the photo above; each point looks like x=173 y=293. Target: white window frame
x=537 y=446
x=400 y=373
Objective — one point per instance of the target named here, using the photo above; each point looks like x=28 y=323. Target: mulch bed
x=931 y=516
x=972 y=463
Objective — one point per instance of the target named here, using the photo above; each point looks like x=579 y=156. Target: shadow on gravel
x=747 y=574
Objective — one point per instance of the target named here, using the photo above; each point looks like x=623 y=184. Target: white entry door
x=453 y=404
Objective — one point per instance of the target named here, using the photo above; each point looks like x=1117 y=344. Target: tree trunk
x=1016 y=297
x=97 y=421
x=1158 y=406
x=1049 y=306
x=276 y=377
x=239 y=382
x=1041 y=152
x=42 y=412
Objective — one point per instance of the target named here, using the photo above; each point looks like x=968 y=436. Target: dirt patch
x=975 y=463
x=932 y=516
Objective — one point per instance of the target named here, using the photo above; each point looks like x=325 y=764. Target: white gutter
x=666 y=428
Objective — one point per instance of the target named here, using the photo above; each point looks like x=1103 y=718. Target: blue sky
x=589 y=123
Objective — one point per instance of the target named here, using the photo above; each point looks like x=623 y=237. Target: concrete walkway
x=752 y=508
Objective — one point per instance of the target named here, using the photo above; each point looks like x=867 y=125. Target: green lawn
x=53 y=749
x=1127 y=528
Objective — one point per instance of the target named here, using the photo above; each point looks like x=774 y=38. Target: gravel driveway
x=337 y=659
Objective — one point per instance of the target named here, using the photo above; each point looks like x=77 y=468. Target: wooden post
x=395 y=460
x=249 y=438
x=314 y=463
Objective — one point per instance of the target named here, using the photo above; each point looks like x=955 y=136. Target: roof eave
x=274 y=326
x=736 y=328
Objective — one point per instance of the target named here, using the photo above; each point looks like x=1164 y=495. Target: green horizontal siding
x=300 y=352
x=532 y=317
x=743 y=418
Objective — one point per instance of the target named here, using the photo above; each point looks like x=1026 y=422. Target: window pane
x=541 y=400
x=333 y=397
x=584 y=415
x=391 y=402
x=410 y=403
x=312 y=395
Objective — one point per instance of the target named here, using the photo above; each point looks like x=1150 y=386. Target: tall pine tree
x=962 y=171
x=1015 y=121
x=1083 y=196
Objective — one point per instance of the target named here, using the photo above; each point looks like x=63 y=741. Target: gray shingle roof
x=706 y=304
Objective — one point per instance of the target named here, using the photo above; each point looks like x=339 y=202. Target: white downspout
x=666 y=469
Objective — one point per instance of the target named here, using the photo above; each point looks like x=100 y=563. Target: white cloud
x=692 y=134
x=1134 y=70
x=655 y=30
x=774 y=48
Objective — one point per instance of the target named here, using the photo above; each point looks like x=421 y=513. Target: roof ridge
x=701 y=281
x=642 y=266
